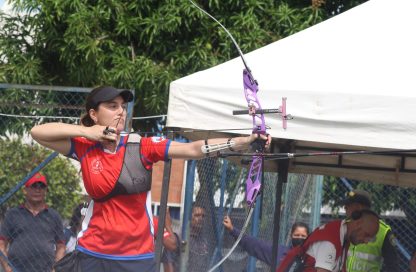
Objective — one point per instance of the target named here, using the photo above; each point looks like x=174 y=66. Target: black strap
x=207 y=148
x=343 y=254
x=229 y=142
x=118 y=189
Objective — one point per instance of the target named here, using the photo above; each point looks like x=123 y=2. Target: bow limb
x=240 y=236
x=253 y=182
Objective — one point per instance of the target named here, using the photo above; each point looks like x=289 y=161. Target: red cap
x=38 y=177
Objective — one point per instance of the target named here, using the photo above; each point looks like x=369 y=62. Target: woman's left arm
x=193 y=150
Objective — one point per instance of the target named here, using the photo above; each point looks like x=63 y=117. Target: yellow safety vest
x=368 y=257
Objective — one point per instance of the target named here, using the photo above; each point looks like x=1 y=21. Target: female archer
x=118 y=232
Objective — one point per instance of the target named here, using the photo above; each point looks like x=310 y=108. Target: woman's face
x=300 y=232
x=111 y=113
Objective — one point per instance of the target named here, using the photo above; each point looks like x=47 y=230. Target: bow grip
x=258 y=144
x=253 y=189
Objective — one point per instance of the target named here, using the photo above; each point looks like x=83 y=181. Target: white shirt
x=324 y=253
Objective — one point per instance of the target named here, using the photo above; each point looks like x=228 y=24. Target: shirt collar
x=23 y=206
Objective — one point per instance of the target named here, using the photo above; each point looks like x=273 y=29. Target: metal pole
x=189 y=193
x=283 y=168
x=220 y=227
x=162 y=212
x=251 y=266
x=316 y=209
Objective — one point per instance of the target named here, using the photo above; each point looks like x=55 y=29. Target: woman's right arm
x=57 y=136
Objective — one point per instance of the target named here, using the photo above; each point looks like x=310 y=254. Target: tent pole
x=283 y=169
x=162 y=212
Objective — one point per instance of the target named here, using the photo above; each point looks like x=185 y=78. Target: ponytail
x=86 y=120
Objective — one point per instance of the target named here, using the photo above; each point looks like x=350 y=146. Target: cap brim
x=108 y=93
x=127 y=95
x=358 y=200
x=30 y=183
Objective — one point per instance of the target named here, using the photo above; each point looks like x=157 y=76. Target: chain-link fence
x=218 y=189
x=23 y=106
x=396 y=206
x=29 y=236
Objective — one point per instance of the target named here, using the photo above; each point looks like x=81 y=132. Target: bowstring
x=251 y=78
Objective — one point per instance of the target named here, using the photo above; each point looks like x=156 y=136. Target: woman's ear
x=93 y=115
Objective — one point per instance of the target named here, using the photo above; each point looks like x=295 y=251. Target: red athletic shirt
x=120 y=228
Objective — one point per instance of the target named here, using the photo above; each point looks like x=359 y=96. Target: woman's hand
x=266 y=138
x=102 y=134
x=227 y=223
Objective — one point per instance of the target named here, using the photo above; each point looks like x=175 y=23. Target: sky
x=3 y=4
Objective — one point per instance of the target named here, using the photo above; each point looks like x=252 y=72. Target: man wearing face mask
x=262 y=250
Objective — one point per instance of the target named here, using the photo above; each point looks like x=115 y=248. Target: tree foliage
x=384 y=197
x=18 y=159
x=143 y=45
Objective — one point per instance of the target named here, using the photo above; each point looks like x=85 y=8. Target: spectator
x=326 y=247
x=169 y=240
x=263 y=250
x=116 y=170
x=32 y=234
x=199 y=249
x=412 y=264
x=378 y=255
x=74 y=227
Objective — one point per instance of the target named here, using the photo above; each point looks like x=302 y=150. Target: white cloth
x=324 y=253
x=71 y=244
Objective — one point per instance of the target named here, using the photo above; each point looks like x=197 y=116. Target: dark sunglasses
x=38 y=185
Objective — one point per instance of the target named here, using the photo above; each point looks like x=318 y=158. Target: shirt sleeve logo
x=96 y=166
x=157 y=139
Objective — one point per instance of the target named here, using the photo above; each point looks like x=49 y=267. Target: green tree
x=143 y=45
x=18 y=159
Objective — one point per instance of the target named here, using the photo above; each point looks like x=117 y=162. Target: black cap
x=357 y=196
x=106 y=93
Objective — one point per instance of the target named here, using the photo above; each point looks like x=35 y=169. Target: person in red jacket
x=326 y=247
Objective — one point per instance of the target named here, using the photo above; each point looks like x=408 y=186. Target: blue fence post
x=251 y=265
x=187 y=210
x=220 y=227
x=189 y=194
x=316 y=208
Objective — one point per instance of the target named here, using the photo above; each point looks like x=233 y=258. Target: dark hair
x=76 y=218
x=101 y=94
x=198 y=206
x=355 y=215
x=299 y=225
x=86 y=120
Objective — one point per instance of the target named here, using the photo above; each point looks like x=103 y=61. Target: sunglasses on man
x=38 y=185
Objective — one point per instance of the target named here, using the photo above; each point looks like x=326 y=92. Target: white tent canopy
x=349 y=84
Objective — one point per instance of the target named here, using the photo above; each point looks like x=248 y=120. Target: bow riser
x=253 y=184
x=250 y=91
